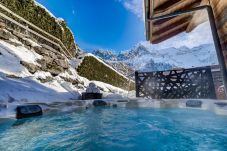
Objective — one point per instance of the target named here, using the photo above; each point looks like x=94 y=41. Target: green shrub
x=41 y=18
x=93 y=69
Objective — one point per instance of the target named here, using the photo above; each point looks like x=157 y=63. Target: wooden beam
x=163 y=27
x=158 y=3
x=199 y=17
x=219 y=7
x=181 y=5
x=170 y=33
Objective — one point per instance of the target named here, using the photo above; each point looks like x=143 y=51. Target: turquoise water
x=118 y=129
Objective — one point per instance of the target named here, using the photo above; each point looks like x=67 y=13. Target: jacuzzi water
x=118 y=129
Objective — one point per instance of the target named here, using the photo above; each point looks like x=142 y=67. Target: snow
x=186 y=50
x=42 y=74
x=40 y=5
x=21 y=52
x=33 y=44
x=10 y=63
x=26 y=88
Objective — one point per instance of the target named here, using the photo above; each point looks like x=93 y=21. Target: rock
x=114 y=105
x=3 y=106
x=11 y=76
x=61 y=57
x=92 y=88
x=47 y=79
x=63 y=63
x=79 y=103
x=221 y=104
x=11 y=99
x=53 y=55
x=6 y=35
x=15 y=43
x=99 y=103
x=41 y=51
x=80 y=86
x=43 y=64
x=54 y=70
x=46 y=62
x=2 y=25
x=28 y=111
x=194 y=103
x=30 y=42
x=73 y=81
x=31 y=67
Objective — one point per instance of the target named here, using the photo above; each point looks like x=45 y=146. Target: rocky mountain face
x=144 y=58
x=42 y=18
x=52 y=61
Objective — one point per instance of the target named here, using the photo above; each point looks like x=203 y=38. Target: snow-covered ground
x=19 y=86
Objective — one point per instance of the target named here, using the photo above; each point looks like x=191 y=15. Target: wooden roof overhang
x=158 y=31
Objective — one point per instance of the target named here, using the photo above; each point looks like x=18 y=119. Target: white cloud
x=134 y=6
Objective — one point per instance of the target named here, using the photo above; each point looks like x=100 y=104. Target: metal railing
x=59 y=44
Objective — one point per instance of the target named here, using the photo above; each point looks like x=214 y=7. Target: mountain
x=144 y=58
x=105 y=54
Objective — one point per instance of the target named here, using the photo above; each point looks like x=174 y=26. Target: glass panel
x=181 y=41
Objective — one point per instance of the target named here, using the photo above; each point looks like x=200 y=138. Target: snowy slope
x=19 y=86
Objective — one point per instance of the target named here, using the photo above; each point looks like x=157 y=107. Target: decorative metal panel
x=176 y=84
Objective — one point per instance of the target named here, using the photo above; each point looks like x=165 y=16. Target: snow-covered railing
x=59 y=44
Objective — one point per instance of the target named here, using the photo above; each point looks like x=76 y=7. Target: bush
x=93 y=69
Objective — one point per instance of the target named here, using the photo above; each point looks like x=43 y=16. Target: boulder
x=63 y=63
x=54 y=69
x=52 y=55
x=41 y=51
x=73 y=81
x=99 y=103
x=2 y=24
x=79 y=103
x=194 y=103
x=47 y=79
x=92 y=88
x=28 y=111
x=48 y=60
x=2 y=106
x=4 y=34
x=15 y=43
x=31 y=67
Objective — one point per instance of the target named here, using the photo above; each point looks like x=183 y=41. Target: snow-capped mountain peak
x=142 y=57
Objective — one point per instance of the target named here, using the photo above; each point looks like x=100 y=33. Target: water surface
x=118 y=129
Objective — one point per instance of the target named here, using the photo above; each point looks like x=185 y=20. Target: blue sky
x=108 y=24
